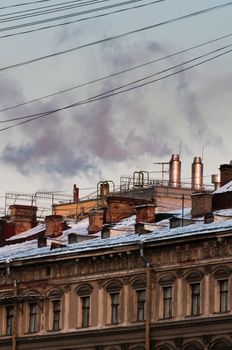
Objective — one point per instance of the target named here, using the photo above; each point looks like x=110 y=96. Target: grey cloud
x=104 y=132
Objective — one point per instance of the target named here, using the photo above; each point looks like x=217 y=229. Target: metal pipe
x=15 y=315
x=175 y=171
x=197 y=174
x=148 y=297
x=148 y=306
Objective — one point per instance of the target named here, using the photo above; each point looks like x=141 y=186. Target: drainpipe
x=148 y=297
x=15 y=315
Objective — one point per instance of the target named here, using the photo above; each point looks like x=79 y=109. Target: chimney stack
x=24 y=217
x=54 y=226
x=174 y=171
x=226 y=173
x=197 y=174
x=96 y=220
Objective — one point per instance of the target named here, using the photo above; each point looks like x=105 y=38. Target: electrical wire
x=65 y=8
x=115 y=37
x=117 y=73
x=71 y=22
x=112 y=92
x=51 y=7
x=52 y=19
x=23 y=4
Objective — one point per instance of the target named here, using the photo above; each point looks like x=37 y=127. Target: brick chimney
x=145 y=213
x=96 y=220
x=2 y=232
x=54 y=226
x=201 y=204
x=226 y=173
x=24 y=217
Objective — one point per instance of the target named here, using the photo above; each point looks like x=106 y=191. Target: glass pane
x=85 y=311
x=33 y=313
x=167 y=302
x=56 y=314
x=9 y=319
x=195 y=299
x=141 y=298
x=115 y=307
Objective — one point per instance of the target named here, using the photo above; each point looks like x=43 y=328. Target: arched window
x=194 y=293
x=113 y=288
x=166 y=282
x=222 y=344
x=84 y=291
x=55 y=296
x=32 y=298
x=221 y=275
x=139 y=285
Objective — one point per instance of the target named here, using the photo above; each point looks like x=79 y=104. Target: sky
x=187 y=112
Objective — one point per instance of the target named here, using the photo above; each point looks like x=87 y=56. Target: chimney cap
x=22 y=206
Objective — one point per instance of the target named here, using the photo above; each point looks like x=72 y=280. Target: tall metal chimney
x=197 y=174
x=174 y=171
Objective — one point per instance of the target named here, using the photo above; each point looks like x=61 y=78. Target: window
x=195 y=299
x=56 y=314
x=9 y=319
x=33 y=317
x=167 y=295
x=114 y=308
x=85 y=311
x=141 y=299
x=223 y=284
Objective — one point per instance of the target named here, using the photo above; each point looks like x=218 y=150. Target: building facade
x=134 y=292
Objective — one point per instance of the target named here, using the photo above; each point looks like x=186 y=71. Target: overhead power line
x=23 y=4
x=63 y=8
x=33 y=9
x=52 y=19
x=117 y=73
x=71 y=22
x=118 y=90
x=115 y=37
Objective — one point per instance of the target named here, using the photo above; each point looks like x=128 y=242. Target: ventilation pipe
x=174 y=171
x=197 y=174
x=216 y=180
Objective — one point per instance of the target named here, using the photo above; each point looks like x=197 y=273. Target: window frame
x=115 y=307
x=167 y=301
x=141 y=304
x=56 y=314
x=223 y=295
x=85 y=311
x=9 y=313
x=33 y=317
x=195 y=299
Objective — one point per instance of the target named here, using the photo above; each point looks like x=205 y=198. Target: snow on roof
x=33 y=231
x=223 y=212
x=28 y=250
x=226 y=188
x=80 y=228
